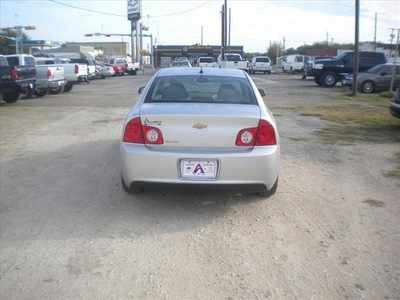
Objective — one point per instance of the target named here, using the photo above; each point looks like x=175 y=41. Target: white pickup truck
x=127 y=66
x=232 y=61
x=75 y=73
x=48 y=78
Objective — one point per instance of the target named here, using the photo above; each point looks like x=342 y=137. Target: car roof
x=206 y=71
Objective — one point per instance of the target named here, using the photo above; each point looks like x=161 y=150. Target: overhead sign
x=134 y=10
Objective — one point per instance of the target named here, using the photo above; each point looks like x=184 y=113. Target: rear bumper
x=245 y=171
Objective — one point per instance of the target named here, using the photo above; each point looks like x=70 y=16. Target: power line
x=89 y=10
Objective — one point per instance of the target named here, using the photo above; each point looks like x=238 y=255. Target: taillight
x=76 y=69
x=14 y=74
x=136 y=133
x=263 y=135
x=48 y=73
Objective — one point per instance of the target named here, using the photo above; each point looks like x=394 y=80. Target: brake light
x=76 y=69
x=136 y=133
x=263 y=135
x=14 y=74
x=48 y=74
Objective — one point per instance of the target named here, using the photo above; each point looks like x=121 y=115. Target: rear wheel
x=27 y=94
x=269 y=192
x=68 y=88
x=367 y=87
x=11 y=97
x=57 y=91
x=329 y=79
x=41 y=92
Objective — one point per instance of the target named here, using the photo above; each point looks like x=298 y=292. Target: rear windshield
x=232 y=57
x=206 y=60
x=200 y=88
x=262 y=59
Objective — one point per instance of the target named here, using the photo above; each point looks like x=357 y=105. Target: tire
x=27 y=94
x=367 y=87
x=303 y=75
x=270 y=192
x=11 y=97
x=68 y=87
x=317 y=80
x=329 y=79
x=57 y=91
x=41 y=92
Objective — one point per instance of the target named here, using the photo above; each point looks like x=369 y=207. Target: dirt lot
x=68 y=230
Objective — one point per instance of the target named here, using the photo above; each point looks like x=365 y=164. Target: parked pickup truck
x=127 y=66
x=74 y=73
x=49 y=78
x=15 y=80
x=327 y=72
x=233 y=61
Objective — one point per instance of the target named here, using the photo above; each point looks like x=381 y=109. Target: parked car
x=328 y=72
x=294 y=63
x=260 y=64
x=118 y=71
x=394 y=105
x=180 y=64
x=127 y=66
x=206 y=62
x=376 y=79
x=203 y=130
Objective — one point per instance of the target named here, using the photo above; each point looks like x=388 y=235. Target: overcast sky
x=254 y=24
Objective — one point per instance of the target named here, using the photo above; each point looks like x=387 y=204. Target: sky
x=253 y=24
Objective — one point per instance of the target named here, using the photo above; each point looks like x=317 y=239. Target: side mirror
x=141 y=89
x=383 y=74
x=262 y=93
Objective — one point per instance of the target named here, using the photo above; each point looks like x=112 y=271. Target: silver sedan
x=200 y=129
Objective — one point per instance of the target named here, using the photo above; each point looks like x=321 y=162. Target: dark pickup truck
x=327 y=72
x=15 y=80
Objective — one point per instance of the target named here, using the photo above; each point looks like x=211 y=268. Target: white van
x=260 y=64
x=294 y=63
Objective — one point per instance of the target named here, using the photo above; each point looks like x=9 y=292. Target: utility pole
x=376 y=18
x=356 y=48
x=327 y=38
x=395 y=59
x=391 y=41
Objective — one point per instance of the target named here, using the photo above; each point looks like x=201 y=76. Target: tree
x=275 y=50
x=7 y=41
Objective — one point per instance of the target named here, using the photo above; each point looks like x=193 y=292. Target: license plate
x=201 y=169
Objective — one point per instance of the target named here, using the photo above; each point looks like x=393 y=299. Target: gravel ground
x=68 y=230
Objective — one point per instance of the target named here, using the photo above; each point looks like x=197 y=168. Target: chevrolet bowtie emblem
x=199 y=126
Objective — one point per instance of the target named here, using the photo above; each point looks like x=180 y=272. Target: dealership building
x=164 y=55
